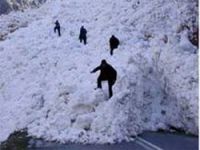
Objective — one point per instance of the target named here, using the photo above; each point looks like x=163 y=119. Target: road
x=146 y=141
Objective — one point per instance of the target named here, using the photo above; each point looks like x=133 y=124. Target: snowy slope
x=46 y=85
x=7 y=6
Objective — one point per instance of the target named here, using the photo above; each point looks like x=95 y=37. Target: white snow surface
x=45 y=80
x=7 y=6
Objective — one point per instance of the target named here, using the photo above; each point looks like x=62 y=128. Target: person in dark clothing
x=82 y=36
x=108 y=73
x=114 y=43
x=57 y=27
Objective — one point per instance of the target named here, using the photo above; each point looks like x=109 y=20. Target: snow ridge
x=7 y=6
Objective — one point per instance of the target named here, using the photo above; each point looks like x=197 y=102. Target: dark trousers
x=110 y=84
x=112 y=47
x=84 y=39
x=57 y=28
x=111 y=51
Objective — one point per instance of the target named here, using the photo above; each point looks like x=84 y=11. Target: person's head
x=103 y=61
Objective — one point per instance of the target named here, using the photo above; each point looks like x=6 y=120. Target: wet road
x=146 y=141
x=169 y=141
x=121 y=146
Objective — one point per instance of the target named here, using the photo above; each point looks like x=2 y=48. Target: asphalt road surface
x=146 y=141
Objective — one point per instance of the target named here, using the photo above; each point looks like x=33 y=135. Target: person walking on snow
x=57 y=27
x=108 y=73
x=114 y=43
x=83 y=36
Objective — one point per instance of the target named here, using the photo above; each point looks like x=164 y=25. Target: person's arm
x=96 y=69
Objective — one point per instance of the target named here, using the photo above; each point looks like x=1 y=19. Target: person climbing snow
x=83 y=36
x=57 y=27
x=114 y=43
x=108 y=73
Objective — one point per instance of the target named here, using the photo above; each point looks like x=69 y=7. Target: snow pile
x=46 y=85
x=7 y=6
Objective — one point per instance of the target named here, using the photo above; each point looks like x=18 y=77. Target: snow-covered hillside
x=8 y=5
x=46 y=85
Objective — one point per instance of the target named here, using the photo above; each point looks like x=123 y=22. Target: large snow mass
x=45 y=80
x=7 y=6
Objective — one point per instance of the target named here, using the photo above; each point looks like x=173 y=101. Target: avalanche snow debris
x=9 y=5
x=46 y=85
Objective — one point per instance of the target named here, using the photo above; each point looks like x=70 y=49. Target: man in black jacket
x=57 y=27
x=82 y=36
x=108 y=73
x=114 y=43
